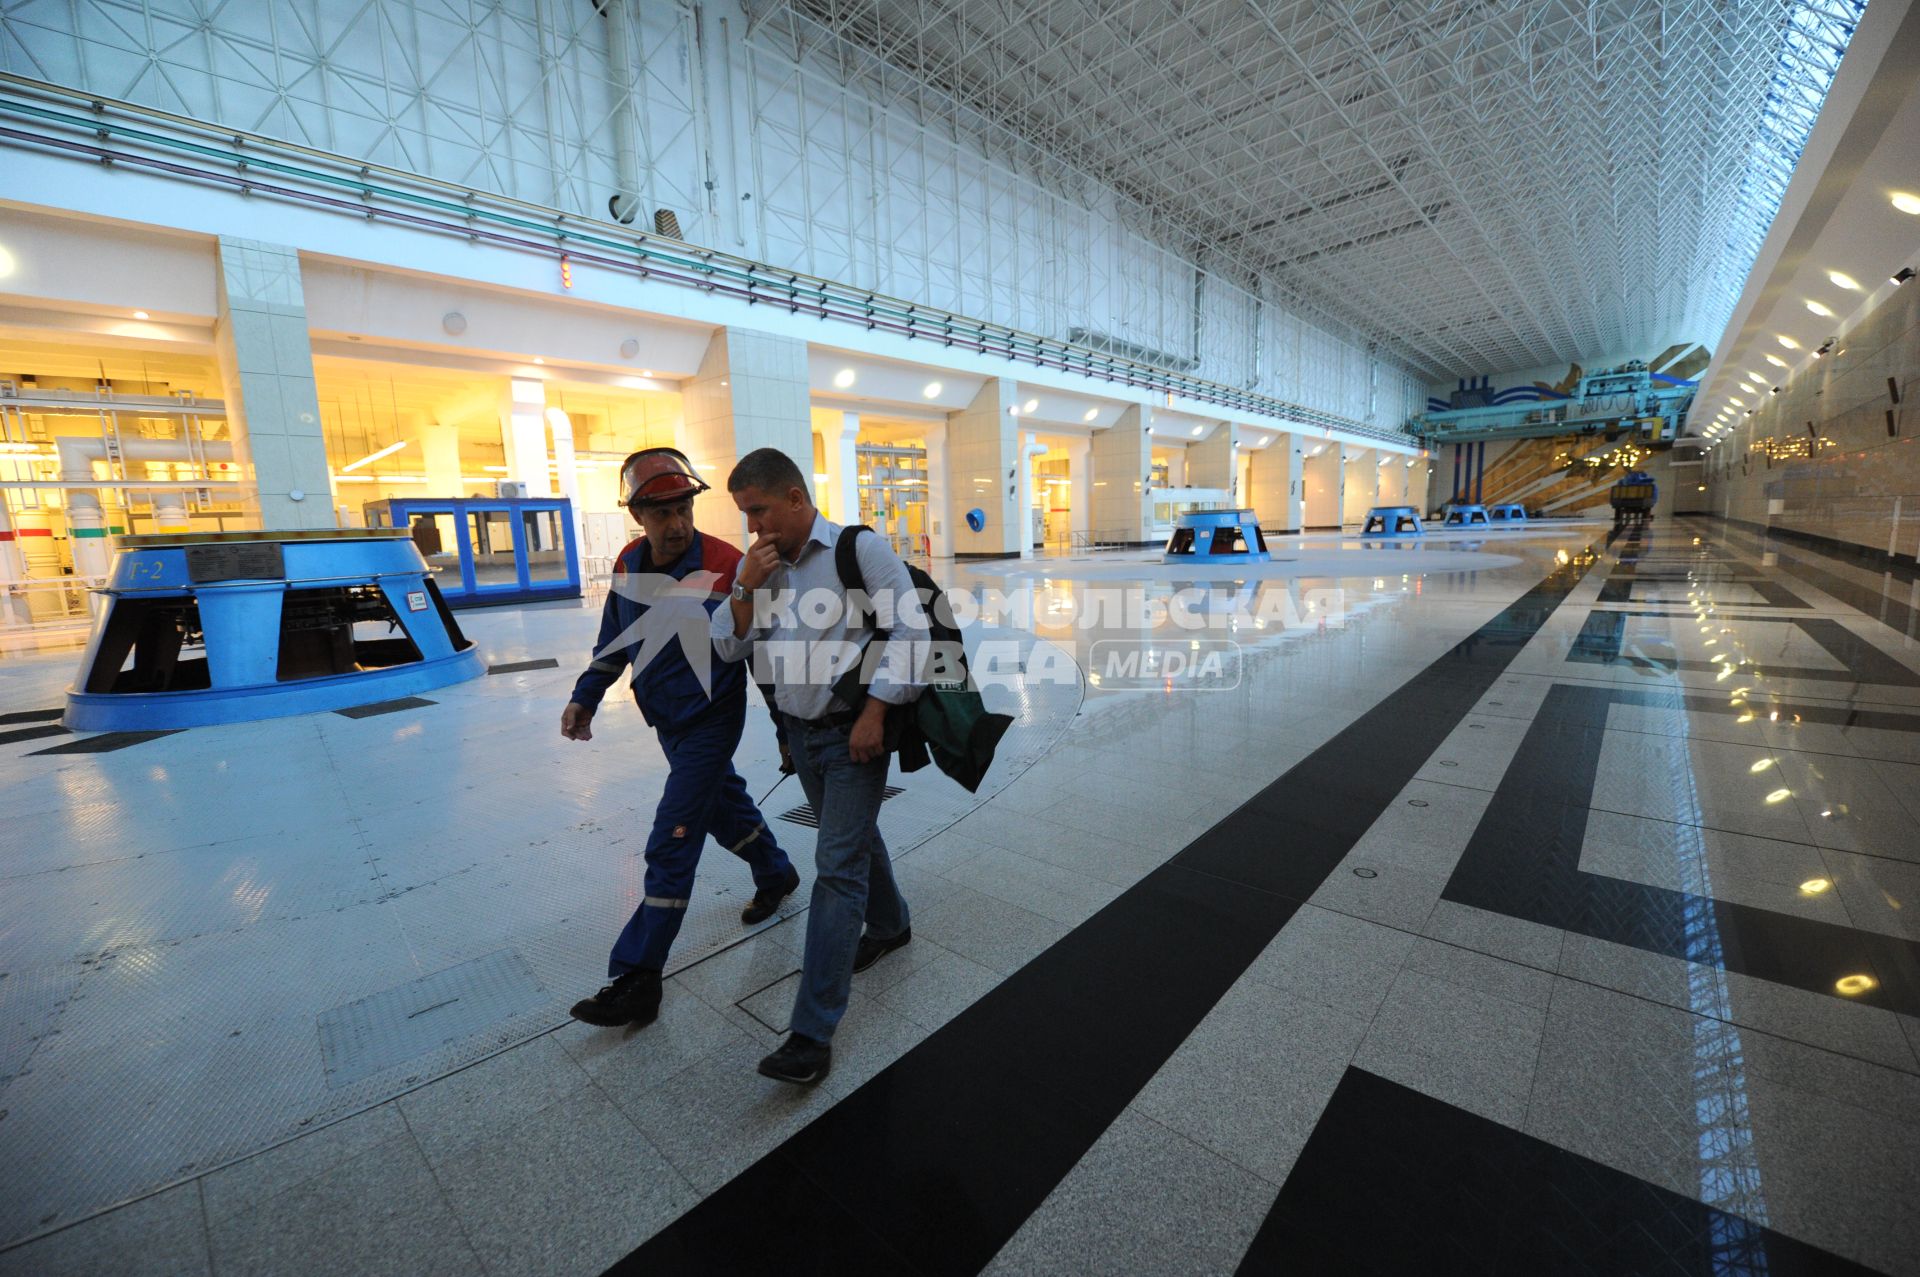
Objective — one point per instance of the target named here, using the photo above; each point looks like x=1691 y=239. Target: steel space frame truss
x=1477 y=185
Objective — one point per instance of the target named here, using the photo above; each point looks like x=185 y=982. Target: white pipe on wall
x=13 y=569
x=86 y=519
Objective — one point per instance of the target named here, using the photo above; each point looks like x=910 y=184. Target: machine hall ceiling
x=1479 y=185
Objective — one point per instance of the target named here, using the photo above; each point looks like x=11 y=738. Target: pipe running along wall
x=239 y=162
x=86 y=512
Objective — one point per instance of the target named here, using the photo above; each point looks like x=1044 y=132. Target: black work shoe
x=633 y=998
x=872 y=950
x=765 y=902
x=800 y=1060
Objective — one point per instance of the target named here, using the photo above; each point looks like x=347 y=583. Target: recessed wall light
x=1907 y=203
x=1775 y=360
x=1819 y=309
x=1787 y=341
x=844 y=378
x=1843 y=280
x=931 y=390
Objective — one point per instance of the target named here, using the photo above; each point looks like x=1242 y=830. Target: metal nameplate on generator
x=235 y=561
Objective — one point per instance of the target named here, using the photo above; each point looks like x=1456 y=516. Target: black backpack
x=949 y=724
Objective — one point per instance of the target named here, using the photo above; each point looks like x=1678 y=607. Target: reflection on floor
x=1553 y=917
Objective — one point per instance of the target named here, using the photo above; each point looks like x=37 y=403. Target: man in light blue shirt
x=788 y=609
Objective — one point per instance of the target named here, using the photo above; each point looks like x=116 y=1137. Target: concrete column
x=525 y=435
x=1274 y=484
x=1023 y=499
x=1393 y=481
x=750 y=392
x=983 y=464
x=1210 y=458
x=1420 y=484
x=1080 y=473
x=440 y=451
x=266 y=371
x=1362 y=479
x=843 y=468
x=940 y=511
x=1122 y=463
x=1176 y=466
x=1323 y=480
x=567 y=470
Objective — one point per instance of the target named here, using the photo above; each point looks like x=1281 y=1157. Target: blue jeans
x=853 y=879
x=704 y=795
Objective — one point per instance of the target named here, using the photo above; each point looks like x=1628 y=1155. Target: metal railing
x=49 y=117
x=47 y=602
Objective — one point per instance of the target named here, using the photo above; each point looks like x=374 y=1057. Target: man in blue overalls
x=665 y=587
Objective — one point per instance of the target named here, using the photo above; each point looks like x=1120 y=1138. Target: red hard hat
x=657 y=476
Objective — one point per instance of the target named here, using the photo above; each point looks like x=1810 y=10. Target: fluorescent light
x=931 y=390
x=845 y=378
x=387 y=451
x=1906 y=203
x=1819 y=309
x=1843 y=280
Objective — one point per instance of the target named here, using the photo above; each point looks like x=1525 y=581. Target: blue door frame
x=400 y=513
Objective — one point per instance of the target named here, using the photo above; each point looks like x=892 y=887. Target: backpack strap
x=846 y=562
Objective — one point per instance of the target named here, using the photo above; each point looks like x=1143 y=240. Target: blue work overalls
x=698 y=733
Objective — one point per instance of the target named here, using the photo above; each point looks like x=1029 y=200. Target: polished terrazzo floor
x=1552 y=916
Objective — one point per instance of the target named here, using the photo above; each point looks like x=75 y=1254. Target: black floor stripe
x=1602 y=638
x=105 y=743
x=516 y=667
x=32 y=733
x=1523 y=860
x=942 y=1155
x=384 y=707
x=1392 y=1181
x=1863 y=599
x=30 y=716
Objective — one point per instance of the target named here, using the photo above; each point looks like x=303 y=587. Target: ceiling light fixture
x=931 y=390
x=1906 y=203
x=844 y=378
x=387 y=451
x=1902 y=275
x=1030 y=406
x=141 y=314
x=1787 y=341
x=1819 y=309
x=1089 y=414
x=1775 y=360
x=1843 y=280
x=1198 y=430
